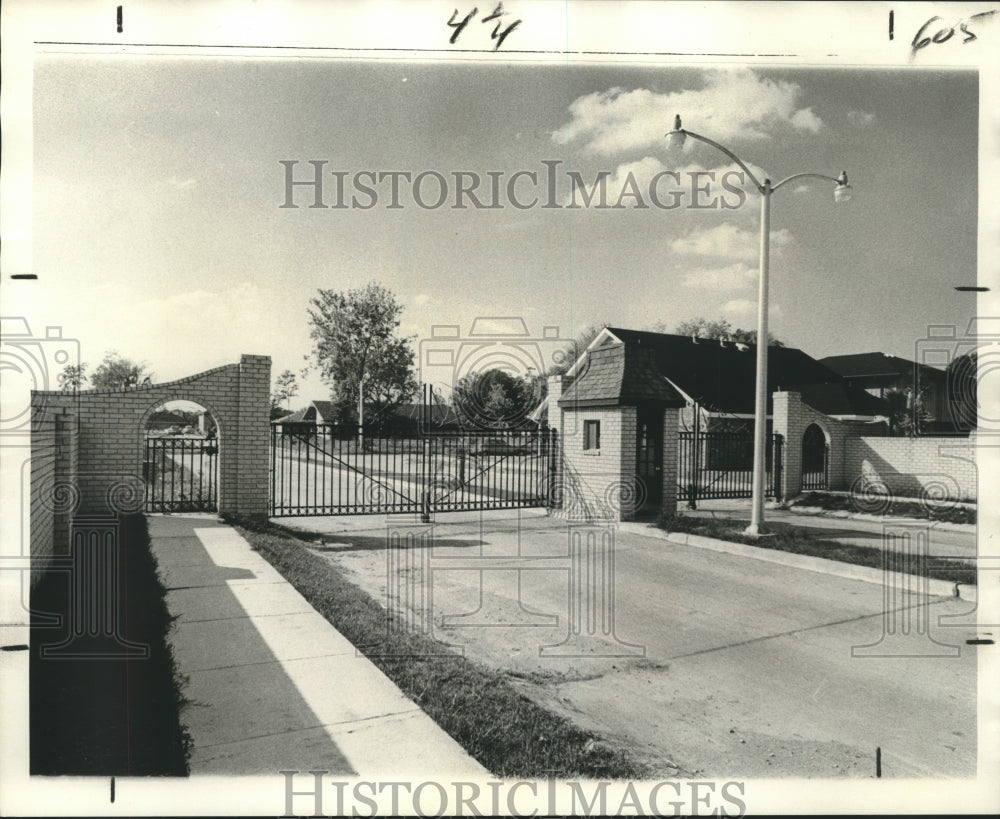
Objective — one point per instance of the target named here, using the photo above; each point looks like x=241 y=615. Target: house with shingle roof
x=880 y=373
x=402 y=418
x=625 y=406
x=718 y=378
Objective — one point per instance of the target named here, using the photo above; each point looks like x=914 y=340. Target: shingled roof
x=721 y=375
x=620 y=376
x=861 y=365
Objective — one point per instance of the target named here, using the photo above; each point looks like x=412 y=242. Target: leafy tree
x=493 y=399
x=573 y=350
x=358 y=350
x=721 y=329
x=907 y=410
x=285 y=388
x=963 y=390
x=703 y=328
x=72 y=378
x=115 y=372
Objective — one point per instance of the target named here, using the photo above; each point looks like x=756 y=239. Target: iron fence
x=816 y=468
x=181 y=474
x=339 y=469
x=720 y=465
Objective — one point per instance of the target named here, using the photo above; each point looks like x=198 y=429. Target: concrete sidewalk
x=271 y=684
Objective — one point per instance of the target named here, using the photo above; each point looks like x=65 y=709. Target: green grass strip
x=888 y=506
x=786 y=538
x=506 y=732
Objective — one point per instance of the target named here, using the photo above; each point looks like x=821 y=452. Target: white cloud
x=732 y=103
x=631 y=181
x=421 y=299
x=862 y=119
x=729 y=277
x=802 y=189
x=182 y=183
x=740 y=306
x=748 y=307
x=728 y=241
x=805 y=119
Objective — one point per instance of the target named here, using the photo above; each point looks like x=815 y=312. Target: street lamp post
x=841 y=193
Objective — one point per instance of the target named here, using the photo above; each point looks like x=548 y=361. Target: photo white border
x=773 y=34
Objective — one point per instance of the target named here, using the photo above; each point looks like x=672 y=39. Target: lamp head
x=842 y=193
x=677 y=136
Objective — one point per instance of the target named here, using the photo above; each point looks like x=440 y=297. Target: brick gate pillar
x=670 y=447
x=790 y=422
x=253 y=437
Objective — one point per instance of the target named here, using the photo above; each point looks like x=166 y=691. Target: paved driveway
x=700 y=662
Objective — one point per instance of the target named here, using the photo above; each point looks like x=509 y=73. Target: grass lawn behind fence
x=500 y=727
x=889 y=506
x=786 y=538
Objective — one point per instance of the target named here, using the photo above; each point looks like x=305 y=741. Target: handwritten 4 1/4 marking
x=497 y=35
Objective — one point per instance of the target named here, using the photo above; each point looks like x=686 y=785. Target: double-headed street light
x=841 y=193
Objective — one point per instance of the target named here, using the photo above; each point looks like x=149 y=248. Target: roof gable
x=619 y=376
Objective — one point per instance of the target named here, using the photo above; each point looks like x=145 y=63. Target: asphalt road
x=715 y=664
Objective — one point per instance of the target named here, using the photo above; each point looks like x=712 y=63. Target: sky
x=158 y=185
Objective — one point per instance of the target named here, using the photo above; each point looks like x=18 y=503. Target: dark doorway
x=649 y=461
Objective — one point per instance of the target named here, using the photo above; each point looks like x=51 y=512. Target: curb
x=819 y=512
x=938 y=588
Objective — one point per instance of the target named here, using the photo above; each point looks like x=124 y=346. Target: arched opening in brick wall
x=815 y=457
x=181 y=443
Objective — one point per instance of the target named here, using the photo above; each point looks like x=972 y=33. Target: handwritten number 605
x=945 y=33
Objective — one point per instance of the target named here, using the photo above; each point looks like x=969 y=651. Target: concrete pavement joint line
x=392 y=716
x=256 y=663
x=766 y=637
x=375 y=717
x=225 y=583
x=323 y=725
x=239 y=617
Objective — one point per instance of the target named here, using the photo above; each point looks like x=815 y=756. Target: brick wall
x=597 y=484
x=90 y=446
x=941 y=468
x=42 y=509
x=600 y=484
x=791 y=418
x=936 y=468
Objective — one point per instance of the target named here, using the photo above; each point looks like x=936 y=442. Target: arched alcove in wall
x=815 y=457
x=181 y=444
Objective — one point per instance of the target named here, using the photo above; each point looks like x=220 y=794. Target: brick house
x=621 y=406
x=717 y=379
x=402 y=419
x=879 y=373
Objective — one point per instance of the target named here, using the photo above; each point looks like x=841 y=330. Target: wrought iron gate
x=815 y=458
x=720 y=465
x=181 y=474
x=331 y=469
